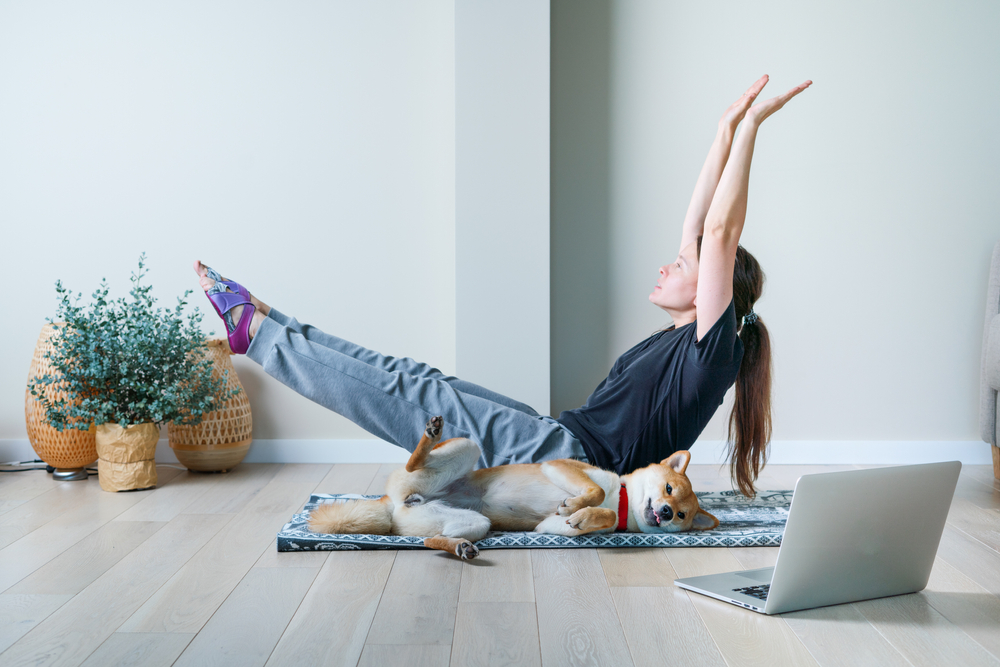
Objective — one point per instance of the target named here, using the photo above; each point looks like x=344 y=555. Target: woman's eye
x=669 y=490
x=680 y=515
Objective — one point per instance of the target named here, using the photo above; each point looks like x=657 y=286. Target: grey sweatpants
x=393 y=398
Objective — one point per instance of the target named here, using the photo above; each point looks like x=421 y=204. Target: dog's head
x=661 y=498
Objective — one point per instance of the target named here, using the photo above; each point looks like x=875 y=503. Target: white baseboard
x=802 y=452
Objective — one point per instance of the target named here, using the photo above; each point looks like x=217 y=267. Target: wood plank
x=573 y=603
x=921 y=634
x=303 y=472
x=80 y=626
x=349 y=478
x=498 y=575
x=420 y=600
x=982 y=473
x=280 y=497
x=169 y=499
x=377 y=485
x=982 y=524
x=986 y=496
x=428 y=655
x=246 y=628
x=744 y=637
x=660 y=622
x=841 y=635
x=24 y=486
x=636 y=567
x=20 y=613
x=343 y=597
x=496 y=633
x=139 y=650
x=79 y=565
x=93 y=510
x=966 y=604
x=186 y=602
x=234 y=489
x=38 y=511
x=971 y=557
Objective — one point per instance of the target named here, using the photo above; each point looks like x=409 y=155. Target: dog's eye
x=680 y=515
x=669 y=490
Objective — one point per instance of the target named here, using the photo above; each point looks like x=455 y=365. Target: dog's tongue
x=657 y=518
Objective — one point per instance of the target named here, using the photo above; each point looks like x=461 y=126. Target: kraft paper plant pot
x=223 y=437
x=125 y=456
x=71 y=448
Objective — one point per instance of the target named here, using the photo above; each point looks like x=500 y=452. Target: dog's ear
x=704 y=521
x=678 y=460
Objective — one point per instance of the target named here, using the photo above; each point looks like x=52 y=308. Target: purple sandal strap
x=237 y=288
x=226 y=301
x=239 y=340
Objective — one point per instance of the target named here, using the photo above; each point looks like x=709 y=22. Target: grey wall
x=873 y=201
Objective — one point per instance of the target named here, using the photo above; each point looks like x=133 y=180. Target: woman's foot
x=231 y=317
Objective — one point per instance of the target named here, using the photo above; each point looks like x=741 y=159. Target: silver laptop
x=850 y=536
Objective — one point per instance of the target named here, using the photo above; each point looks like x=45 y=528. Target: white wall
x=306 y=150
x=502 y=197
x=873 y=202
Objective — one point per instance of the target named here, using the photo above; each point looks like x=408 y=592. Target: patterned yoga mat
x=742 y=523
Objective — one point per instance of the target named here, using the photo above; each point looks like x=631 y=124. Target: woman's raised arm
x=711 y=172
x=726 y=215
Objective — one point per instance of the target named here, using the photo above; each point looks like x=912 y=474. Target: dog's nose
x=666 y=513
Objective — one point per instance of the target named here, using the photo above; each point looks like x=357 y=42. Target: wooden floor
x=187 y=574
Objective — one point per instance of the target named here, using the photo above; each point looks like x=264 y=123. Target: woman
x=658 y=396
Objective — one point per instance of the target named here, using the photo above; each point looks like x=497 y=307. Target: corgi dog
x=439 y=494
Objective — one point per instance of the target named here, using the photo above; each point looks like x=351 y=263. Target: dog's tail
x=368 y=517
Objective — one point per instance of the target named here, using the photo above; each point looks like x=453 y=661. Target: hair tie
x=749 y=318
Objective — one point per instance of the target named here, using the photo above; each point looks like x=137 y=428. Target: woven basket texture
x=71 y=448
x=230 y=425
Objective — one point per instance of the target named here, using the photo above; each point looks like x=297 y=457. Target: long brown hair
x=750 y=420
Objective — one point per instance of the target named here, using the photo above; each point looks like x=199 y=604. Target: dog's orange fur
x=438 y=493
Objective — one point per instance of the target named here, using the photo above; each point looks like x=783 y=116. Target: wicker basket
x=223 y=437
x=71 y=448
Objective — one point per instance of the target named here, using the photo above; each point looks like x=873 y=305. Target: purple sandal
x=223 y=302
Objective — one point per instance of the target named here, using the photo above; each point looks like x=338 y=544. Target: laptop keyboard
x=759 y=592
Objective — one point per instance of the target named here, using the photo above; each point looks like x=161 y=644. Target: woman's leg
x=407 y=365
x=394 y=364
x=395 y=406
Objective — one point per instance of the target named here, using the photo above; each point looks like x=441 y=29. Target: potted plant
x=127 y=369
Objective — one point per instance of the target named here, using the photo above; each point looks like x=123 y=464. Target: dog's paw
x=570 y=506
x=466 y=550
x=585 y=520
x=433 y=428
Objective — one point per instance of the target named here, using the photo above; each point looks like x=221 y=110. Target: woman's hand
x=762 y=110
x=734 y=114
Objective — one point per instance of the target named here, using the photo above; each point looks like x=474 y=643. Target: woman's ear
x=678 y=461
x=704 y=521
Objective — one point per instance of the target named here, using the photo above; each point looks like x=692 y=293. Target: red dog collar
x=622 y=510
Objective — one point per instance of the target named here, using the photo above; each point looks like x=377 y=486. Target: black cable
x=22 y=469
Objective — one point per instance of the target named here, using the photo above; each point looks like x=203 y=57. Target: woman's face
x=677 y=286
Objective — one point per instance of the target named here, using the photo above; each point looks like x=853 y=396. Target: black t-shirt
x=659 y=396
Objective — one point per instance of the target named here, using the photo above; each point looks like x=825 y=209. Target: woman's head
x=677 y=287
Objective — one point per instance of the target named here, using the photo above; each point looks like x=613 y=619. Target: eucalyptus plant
x=122 y=362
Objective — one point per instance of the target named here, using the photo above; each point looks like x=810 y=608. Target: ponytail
x=750 y=421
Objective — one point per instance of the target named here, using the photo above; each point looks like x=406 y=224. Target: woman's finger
x=757 y=86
